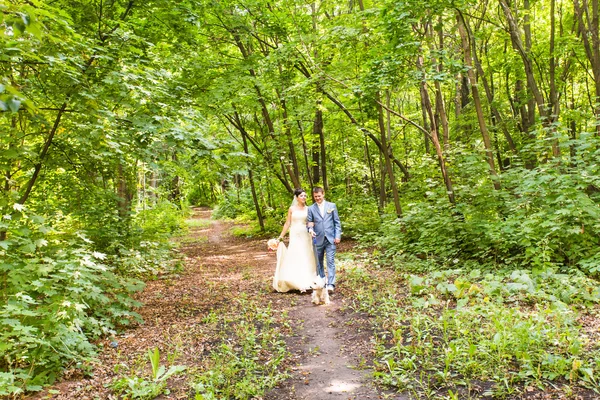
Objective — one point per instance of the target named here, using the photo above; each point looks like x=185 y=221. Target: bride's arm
x=288 y=221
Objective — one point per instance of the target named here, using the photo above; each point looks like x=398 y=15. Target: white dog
x=319 y=294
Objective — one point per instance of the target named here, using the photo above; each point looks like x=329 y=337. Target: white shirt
x=322 y=208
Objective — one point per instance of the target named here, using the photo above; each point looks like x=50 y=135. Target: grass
x=249 y=361
x=197 y=223
x=248 y=357
x=453 y=334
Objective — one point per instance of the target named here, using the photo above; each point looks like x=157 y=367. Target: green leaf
x=13 y=104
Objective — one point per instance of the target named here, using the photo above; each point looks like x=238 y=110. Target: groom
x=324 y=224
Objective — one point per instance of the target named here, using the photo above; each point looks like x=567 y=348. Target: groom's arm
x=310 y=221
x=337 y=225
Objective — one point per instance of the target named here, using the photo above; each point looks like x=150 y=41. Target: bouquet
x=272 y=244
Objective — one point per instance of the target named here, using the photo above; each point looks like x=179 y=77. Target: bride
x=296 y=265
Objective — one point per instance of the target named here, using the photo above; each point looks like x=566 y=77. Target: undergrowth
x=250 y=358
x=466 y=334
x=61 y=289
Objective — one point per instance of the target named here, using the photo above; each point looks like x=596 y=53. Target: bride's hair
x=298 y=192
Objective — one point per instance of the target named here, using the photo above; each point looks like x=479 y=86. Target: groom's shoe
x=330 y=288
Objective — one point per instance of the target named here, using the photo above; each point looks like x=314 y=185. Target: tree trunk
x=477 y=101
x=387 y=161
x=175 y=184
x=426 y=126
x=590 y=33
x=439 y=97
x=371 y=171
x=253 y=189
x=323 y=159
x=316 y=154
x=553 y=107
x=457 y=97
x=531 y=102
x=434 y=135
x=295 y=176
x=382 y=190
x=305 y=152
x=489 y=92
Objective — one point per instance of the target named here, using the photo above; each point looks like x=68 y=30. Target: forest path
x=330 y=346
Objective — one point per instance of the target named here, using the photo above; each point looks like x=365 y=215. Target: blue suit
x=327 y=227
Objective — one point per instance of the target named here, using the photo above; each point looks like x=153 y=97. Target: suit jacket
x=326 y=226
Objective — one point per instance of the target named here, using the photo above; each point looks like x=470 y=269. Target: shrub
x=57 y=294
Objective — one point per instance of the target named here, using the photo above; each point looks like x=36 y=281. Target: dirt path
x=328 y=368
x=328 y=343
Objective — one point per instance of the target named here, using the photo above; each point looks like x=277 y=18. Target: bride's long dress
x=296 y=265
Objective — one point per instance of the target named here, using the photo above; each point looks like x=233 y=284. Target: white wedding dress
x=296 y=265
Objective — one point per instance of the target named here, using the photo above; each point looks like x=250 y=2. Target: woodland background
x=449 y=133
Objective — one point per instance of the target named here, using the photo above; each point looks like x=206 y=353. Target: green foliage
x=358 y=216
x=161 y=220
x=542 y=217
x=235 y=203
x=248 y=364
x=58 y=293
x=454 y=329
x=135 y=387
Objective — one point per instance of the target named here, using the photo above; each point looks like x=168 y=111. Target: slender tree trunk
x=434 y=135
x=387 y=161
x=464 y=91
x=572 y=127
x=318 y=133
x=123 y=192
x=553 y=107
x=426 y=126
x=441 y=111
x=305 y=152
x=323 y=160
x=531 y=103
x=590 y=33
x=457 y=97
x=489 y=92
x=175 y=184
x=382 y=190
x=439 y=97
x=253 y=189
x=290 y=141
x=371 y=172
x=477 y=101
x=236 y=121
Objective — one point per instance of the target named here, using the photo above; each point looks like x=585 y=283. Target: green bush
x=541 y=217
x=58 y=294
x=446 y=330
x=357 y=217
x=234 y=204
x=162 y=219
